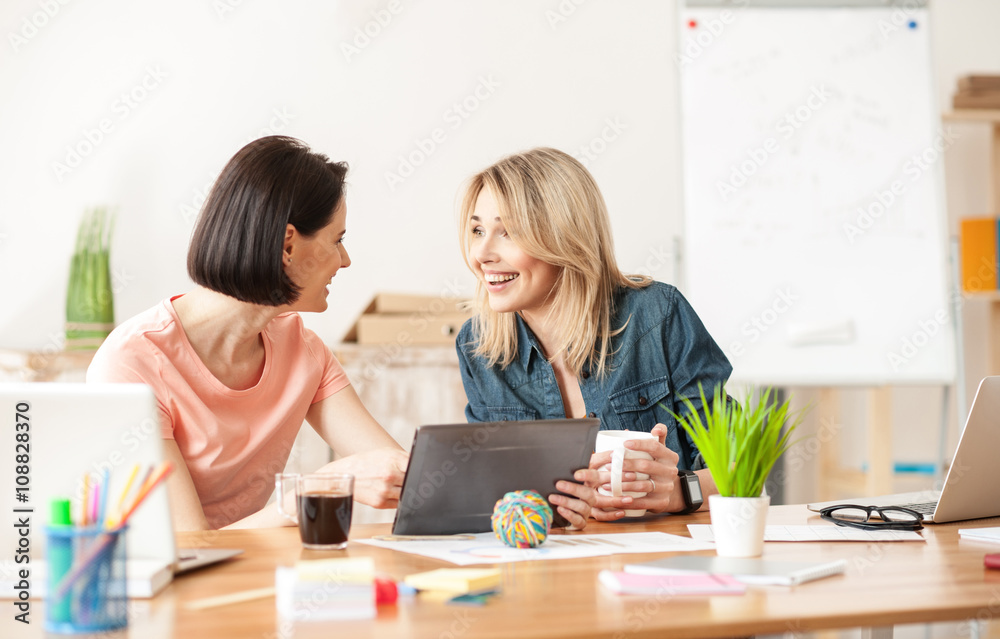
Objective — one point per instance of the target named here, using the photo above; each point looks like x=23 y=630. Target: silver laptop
x=972 y=487
x=87 y=428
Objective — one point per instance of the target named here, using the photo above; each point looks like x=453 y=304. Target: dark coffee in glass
x=324 y=502
x=324 y=520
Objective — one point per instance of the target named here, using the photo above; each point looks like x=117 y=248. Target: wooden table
x=885 y=584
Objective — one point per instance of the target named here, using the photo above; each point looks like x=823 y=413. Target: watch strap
x=690 y=505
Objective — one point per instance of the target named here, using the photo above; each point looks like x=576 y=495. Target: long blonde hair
x=551 y=208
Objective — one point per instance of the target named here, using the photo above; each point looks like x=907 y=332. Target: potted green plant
x=90 y=312
x=740 y=445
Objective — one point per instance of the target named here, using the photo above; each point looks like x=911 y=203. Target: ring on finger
x=653 y=490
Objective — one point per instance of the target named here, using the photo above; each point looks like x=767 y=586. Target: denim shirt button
x=586 y=374
x=643 y=401
x=592 y=414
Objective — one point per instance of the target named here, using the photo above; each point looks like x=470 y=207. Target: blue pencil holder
x=93 y=561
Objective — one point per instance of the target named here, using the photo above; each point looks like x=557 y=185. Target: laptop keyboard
x=924 y=508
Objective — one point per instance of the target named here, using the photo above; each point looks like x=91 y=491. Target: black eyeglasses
x=889 y=517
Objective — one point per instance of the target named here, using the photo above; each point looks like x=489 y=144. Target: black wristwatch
x=691 y=489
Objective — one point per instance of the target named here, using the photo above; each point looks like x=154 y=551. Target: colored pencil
x=102 y=542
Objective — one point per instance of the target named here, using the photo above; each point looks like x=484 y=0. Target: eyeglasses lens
x=898 y=516
x=850 y=514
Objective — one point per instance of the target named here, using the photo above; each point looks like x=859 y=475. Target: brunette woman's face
x=514 y=280
x=312 y=262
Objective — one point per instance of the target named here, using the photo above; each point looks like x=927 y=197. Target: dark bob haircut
x=237 y=245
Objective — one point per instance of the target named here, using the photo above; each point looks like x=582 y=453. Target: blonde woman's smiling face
x=514 y=280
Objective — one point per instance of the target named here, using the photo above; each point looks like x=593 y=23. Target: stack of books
x=326 y=589
x=977 y=92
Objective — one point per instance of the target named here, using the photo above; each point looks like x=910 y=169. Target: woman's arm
x=369 y=453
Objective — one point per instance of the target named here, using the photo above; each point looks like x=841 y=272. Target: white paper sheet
x=703 y=532
x=487 y=549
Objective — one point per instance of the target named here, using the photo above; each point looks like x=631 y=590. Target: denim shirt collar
x=527 y=343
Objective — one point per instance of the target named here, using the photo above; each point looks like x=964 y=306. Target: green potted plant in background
x=90 y=309
x=740 y=445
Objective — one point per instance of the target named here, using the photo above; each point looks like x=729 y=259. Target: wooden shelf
x=984 y=296
x=972 y=115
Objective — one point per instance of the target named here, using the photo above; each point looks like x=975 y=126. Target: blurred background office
x=137 y=106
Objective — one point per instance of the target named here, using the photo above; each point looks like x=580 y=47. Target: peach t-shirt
x=234 y=441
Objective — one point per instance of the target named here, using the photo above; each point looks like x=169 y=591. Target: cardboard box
x=396 y=318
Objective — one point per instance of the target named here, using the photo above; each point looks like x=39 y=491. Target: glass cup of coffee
x=323 y=507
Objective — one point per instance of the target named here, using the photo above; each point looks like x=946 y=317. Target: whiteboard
x=815 y=233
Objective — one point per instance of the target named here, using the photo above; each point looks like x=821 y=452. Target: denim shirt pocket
x=510 y=414
x=638 y=408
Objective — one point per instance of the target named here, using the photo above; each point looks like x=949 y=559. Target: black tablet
x=457 y=472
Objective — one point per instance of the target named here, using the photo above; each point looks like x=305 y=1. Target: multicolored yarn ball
x=522 y=519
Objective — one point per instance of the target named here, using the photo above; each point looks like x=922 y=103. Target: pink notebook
x=627 y=583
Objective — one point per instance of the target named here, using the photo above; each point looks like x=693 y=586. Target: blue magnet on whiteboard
x=913 y=24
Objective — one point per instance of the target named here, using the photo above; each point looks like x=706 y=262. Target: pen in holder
x=95 y=599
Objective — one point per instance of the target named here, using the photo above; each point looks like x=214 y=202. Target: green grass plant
x=740 y=444
x=90 y=312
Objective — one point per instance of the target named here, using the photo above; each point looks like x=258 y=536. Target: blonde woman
x=560 y=331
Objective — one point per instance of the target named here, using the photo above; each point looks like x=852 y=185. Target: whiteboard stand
x=836 y=481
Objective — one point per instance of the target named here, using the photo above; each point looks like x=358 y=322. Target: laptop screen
x=73 y=429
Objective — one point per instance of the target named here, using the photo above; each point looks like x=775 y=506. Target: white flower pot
x=738 y=524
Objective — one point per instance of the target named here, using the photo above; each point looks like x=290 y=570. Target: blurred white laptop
x=972 y=487
x=79 y=428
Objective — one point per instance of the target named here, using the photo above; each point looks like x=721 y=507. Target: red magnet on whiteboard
x=692 y=24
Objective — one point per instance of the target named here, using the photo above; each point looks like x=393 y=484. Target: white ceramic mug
x=614 y=440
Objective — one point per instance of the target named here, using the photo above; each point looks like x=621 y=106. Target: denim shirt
x=661 y=356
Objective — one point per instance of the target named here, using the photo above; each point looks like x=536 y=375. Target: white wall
x=217 y=75
x=228 y=77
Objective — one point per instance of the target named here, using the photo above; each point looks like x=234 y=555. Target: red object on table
x=385 y=591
